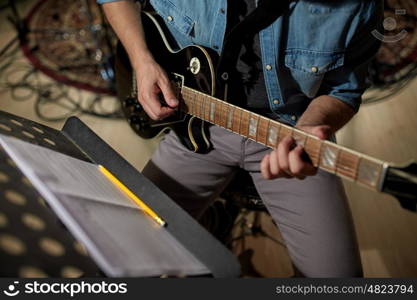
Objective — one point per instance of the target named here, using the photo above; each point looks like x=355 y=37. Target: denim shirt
x=319 y=47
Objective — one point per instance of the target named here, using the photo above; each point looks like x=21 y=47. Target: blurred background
x=56 y=60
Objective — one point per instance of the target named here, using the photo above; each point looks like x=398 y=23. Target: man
x=307 y=69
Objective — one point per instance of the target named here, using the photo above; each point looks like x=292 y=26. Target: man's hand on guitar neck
x=289 y=159
x=152 y=81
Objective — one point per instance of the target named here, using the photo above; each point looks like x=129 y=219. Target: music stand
x=64 y=254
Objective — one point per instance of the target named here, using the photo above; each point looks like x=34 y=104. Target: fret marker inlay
x=299 y=140
x=253 y=127
x=329 y=157
x=272 y=135
x=369 y=172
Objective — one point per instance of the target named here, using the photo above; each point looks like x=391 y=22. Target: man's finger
x=273 y=164
x=322 y=132
x=276 y=171
x=283 y=150
x=298 y=166
x=159 y=112
x=168 y=93
x=265 y=167
x=148 y=110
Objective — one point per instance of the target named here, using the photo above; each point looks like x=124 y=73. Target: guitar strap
x=266 y=12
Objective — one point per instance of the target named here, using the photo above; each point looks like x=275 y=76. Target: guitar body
x=194 y=64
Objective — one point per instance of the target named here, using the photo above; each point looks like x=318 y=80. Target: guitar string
x=344 y=165
x=347 y=167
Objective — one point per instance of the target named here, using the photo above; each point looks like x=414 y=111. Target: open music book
x=119 y=236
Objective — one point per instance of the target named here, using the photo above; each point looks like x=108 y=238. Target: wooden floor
x=387 y=130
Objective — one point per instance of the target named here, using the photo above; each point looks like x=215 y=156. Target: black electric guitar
x=193 y=77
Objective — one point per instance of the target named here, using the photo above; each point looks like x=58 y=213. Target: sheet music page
x=63 y=174
x=122 y=239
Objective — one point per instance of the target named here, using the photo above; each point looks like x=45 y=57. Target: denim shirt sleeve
x=349 y=82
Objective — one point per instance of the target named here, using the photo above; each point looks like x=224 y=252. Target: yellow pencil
x=132 y=196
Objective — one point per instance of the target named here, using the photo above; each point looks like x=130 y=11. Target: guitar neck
x=325 y=155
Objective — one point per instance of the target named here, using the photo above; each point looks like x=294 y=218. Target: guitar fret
x=244 y=128
x=284 y=132
x=191 y=103
x=262 y=130
x=207 y=110
x=212 y=111
x=203 y=108
x=253 y=127
x=347 y=164
x=219 y=107
x=226 y=114
x=186 y=97
x=223 y=115
x=217 y=112
x=198 y=106
x=257 y=128
x=312 y=147
x=194 y=105
x=230 y=117
x=236 y=120
x=240 y=120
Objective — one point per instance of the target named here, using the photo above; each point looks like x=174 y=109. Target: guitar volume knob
x=129 y=101
x=134 y=120
x=137 y=107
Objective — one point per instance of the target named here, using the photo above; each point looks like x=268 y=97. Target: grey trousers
x=312 y=214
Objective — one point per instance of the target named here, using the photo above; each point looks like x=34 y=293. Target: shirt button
x=314 y=69
x=293 y=118
x=268 y=67
x=170 y=18
x=222 y=10
x=276 y=101
x=215 y=47
x=225 y=76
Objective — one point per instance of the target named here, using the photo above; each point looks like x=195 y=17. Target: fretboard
x=325 y=155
